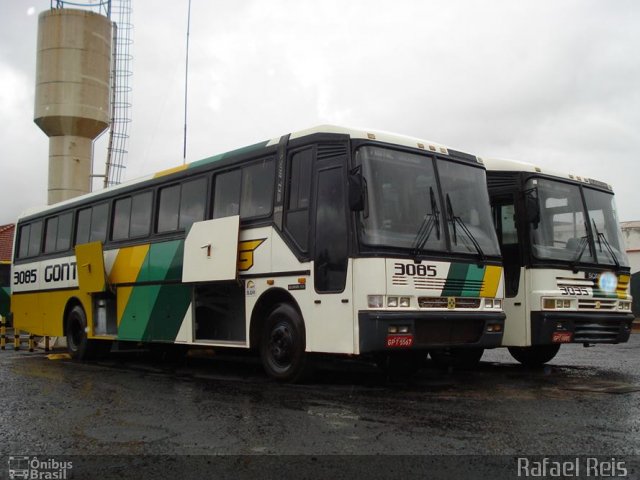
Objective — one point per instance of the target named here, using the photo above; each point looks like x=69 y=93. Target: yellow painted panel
x=43 y=313
x=169 y=171
x=491 y=281
x=128 y=264
x=623 y=286
x=90 y=266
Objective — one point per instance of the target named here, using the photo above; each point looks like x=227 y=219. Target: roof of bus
x=355 y=133
x=501 y=164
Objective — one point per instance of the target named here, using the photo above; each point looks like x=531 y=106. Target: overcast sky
x=551 y=82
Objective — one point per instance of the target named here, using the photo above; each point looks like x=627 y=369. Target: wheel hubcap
x=281 y=345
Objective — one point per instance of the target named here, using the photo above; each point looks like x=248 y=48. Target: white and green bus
x=328 y=240
x=565 y=266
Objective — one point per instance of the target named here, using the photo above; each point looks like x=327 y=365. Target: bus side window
x=83 y=226
x=35 y=238
x=192 y=202
x=226 y=198
x=257 y=189
x=63 y=237
x=50 y=233
x=23 y=249
x=299 y=188
x=140 y=215
x=121 y=216
x=99 y=220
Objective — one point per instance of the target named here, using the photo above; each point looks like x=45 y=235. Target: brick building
x=6 y=245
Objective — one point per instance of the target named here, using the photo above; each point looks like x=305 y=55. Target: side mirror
x=357 y=189
x=532 y=206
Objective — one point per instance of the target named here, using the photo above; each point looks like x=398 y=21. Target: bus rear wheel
x=456 y=357
x=282 y=346
x=78 y=345
x=535 y=355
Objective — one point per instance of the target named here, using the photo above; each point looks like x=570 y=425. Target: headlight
x=405 y=302
x=497 y=303
x=392 y=301
x=375 y=301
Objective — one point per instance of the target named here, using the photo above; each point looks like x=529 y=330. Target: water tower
x=72 y=94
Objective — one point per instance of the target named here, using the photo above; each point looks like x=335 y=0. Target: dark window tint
x=83 y=227
x=5 y=275
x=121 y=214
x=57 y=237
x=99 y=219
x=35 y=237
x=331 y=232
x=192 y=202
x=63 y=238
x=257 y=189
x=23 y=249
x=140 y=215
x=299 y=187
x=51 y=231
x=226 y=201
x=169 y=209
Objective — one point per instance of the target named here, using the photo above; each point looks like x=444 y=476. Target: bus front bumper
x=580 y=327
x=385 y=331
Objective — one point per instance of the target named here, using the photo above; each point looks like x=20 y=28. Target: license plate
x=562 y=337
x=395 y=341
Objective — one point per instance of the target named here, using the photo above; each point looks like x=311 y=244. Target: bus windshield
x=565 y=229
x=405 y=210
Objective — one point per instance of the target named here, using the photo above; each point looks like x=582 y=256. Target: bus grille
x=597 y=304
x=443 y=302
x=448 y=332
x=588 y=331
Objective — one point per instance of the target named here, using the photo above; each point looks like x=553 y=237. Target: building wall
x=631 y=235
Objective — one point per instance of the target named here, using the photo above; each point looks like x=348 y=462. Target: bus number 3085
x=413 y=270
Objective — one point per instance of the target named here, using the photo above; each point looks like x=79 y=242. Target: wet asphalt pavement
x=585 y=402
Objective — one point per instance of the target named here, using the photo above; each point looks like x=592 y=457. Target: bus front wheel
x=79 y=346
x=535 y=355
x=282 y=346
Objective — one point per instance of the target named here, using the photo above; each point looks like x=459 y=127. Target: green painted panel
x=473 y=282
x=455 y=280
x=161 y=258
x=168 y=312
x=135 y=320
x=5 y=301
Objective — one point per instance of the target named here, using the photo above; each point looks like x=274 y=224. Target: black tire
x=456 y=357
x=282 y=345
x=78 y=345
x=534 y=356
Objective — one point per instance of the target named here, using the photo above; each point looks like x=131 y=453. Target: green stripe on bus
x=5 y=301
x=172 y=301
x=163 y=262
x=473 y=282
x=455 y=279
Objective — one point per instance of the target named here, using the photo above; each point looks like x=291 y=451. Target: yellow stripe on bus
x=623 y=284
x=128 y=263
x=169 y=171
x=491 y=281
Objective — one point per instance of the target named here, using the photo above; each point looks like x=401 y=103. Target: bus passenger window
x=50 y=233
x=226 y=199
x=35 y=237
x=140 y=215
x=192 y=202
x=83 y=227
x=23 y=249
x=169 y=209
x=257 y=189
x=121 y=214
x=99 y=217
x=63 y=238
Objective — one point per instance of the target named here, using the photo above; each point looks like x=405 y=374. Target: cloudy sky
x=551 y=82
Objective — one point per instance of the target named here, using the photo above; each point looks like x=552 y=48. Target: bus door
x=331 y=327
x=505 y=219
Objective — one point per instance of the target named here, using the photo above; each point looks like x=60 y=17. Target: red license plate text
x=562 y=337
x=395 y=341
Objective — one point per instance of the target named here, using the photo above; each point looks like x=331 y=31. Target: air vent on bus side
x=331 y=150
x=500 y=180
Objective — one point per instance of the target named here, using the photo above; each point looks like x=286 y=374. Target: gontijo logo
x=245 y=253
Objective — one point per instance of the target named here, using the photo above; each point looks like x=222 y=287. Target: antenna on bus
x=186 y=85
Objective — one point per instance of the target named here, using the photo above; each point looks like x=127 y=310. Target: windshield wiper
x=582 y=246
x=602 y=236
x=465 y=229
x=429 y=221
